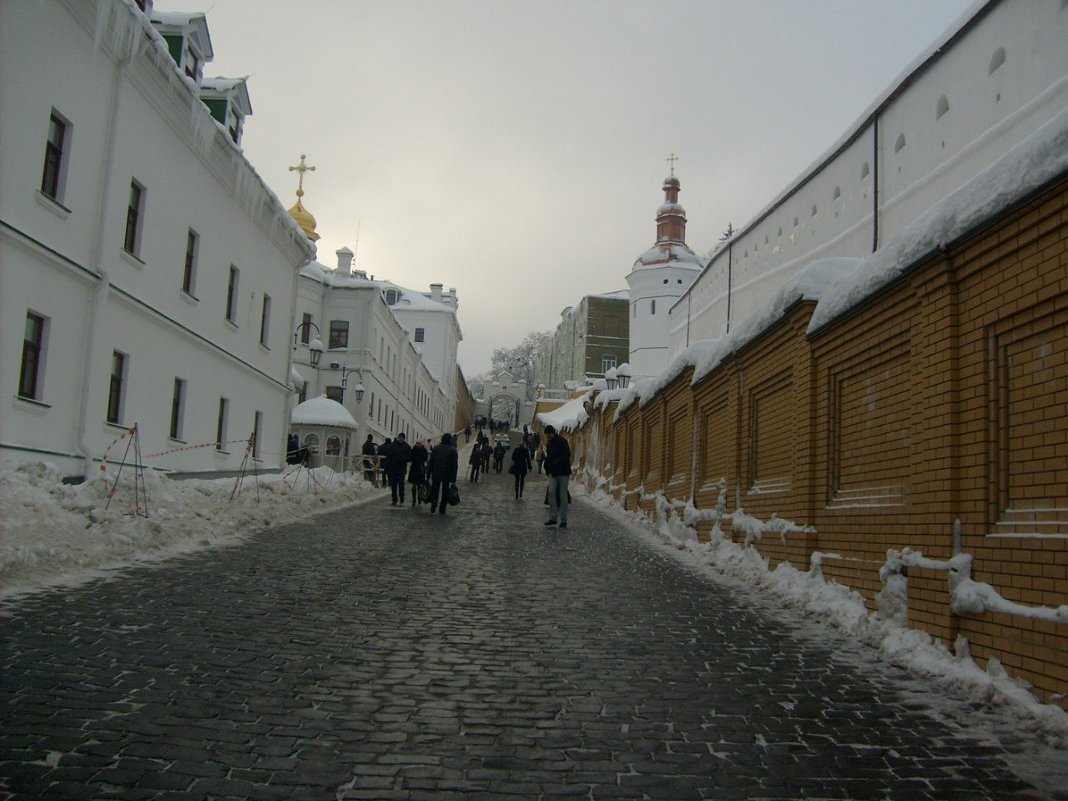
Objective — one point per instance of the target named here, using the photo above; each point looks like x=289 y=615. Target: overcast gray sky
x=515 y=149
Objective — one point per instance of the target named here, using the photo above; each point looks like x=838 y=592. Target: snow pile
x=322 y=411
x=1033 y=163
x=52 y=533
x=827 y=602
x=570 y=415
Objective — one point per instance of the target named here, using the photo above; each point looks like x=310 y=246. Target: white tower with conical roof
x=657 y=280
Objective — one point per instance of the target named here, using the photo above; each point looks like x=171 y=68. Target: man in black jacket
x=443 y=465
x=558 y=467
x=400 y=453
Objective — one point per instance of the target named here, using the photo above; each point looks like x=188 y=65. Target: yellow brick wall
x=937 y=411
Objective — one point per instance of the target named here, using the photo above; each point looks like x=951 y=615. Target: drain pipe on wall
x=103 y=288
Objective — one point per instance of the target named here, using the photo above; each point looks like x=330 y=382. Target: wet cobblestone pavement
x=383 y=653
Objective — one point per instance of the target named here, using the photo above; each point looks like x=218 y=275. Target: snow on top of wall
x=1033 y=163
x=411 y=299
x=811 y=283
x=619 y=294
x=322 y=411
x=570 y=415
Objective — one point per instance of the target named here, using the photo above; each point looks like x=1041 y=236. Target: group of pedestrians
x=432 y=471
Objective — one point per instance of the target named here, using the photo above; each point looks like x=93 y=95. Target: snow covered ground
x=53 y=534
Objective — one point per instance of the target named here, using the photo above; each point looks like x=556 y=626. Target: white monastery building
x=147 y=275
x=657 y=280
x=385 y=352
x=991 y=80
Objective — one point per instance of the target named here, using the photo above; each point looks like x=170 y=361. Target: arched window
x=311 y=442
x=333 y=445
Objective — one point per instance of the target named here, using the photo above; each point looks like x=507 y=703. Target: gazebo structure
x=325 y=428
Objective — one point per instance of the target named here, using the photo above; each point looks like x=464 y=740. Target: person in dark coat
x=520 y=467
x=443 y=465
x=557 y=466
x=400 y=453
x=475 y=460
x=369 y=451
x=498 y=456
x=417 y=469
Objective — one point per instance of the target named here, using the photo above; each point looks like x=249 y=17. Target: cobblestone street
x=384 y=653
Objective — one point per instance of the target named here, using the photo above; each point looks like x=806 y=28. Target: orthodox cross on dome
x=670 y=160
x=301 y=168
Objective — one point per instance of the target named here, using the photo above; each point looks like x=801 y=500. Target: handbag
x=454 y=495
x=424 y=493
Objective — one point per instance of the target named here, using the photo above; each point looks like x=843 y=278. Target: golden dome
x=304 y=218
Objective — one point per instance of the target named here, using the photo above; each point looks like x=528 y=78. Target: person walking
x=475 y=460
x=443 y=465
x=417 y=469
x=369 y=451
x=557 y=464
x=520 y=467
x=400 y=453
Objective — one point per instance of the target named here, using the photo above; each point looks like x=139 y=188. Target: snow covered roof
x=668 y=253
x=1035 y=162
x=411 y=299
x=234 y=88
x=619 y=294
x=570 y=415
x=322 y=411
x=194 y=22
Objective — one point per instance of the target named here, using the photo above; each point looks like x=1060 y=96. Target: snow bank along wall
x=968 y=100
x=940 y=399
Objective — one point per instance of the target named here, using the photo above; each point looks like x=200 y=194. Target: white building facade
x=147 y=275
x=659 y=277
x=978 y=91
x=396 y=344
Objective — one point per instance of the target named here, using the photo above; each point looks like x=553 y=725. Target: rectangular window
x=257 y=435
x=607 y=363
x=339 y=334
x=231 y=295
x=302 y=394
x=30 y=373
x=116 y=387
x=652 y=307
x=177 y=408
x=305 y=328
x=419 y=334
x=131 y=242
x=189 y=274
x=55 y=167
x=221 y=423
x=265 y=320
x=334 y=393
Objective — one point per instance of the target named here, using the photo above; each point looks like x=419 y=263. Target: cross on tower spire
x=670 y=160
x=301 y=168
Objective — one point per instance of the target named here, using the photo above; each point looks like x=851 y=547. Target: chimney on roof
x=344 y=260
x=435 y=292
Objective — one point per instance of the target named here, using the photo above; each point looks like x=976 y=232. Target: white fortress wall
x=976 y=93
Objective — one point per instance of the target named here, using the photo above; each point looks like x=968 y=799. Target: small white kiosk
x=325 y=428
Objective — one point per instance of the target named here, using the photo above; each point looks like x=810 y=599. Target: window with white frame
x=265 y=320
x=257 y=435
x=135 y=210
x=221 y=423
x=607 y=363
x=57 y=147
x=31 y=371
x=117 y=387
x=339 y=334
x=189 y=271
x=177 y=409
x=231 y=294
x=420 y=335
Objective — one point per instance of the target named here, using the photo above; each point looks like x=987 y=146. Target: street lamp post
x=623 y=374
x=357 y=390
x=315 y=347
x=612 y=378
